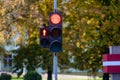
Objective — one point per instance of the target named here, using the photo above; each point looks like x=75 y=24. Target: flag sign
x=111 y=63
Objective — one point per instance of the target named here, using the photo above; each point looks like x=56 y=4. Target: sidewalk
x=69 y=77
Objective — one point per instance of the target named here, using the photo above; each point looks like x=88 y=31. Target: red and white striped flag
x=111 y=63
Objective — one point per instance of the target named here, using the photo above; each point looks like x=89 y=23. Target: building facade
x=5 y=62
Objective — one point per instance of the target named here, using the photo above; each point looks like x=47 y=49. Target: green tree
x=2 y=49
x=91 y=27
x=36 y=11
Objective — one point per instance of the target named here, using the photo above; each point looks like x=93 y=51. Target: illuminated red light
x=44 y=32
x=55 y=18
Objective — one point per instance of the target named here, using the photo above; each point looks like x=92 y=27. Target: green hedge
x=5 y=76
x=32 y=76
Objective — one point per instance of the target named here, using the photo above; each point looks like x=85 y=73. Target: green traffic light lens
x=56 y=47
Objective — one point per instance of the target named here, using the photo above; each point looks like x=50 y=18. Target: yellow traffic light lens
x=56 y=32
x=55 y=18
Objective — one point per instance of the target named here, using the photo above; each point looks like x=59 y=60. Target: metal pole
x=55 y=5
x=106 y=75
x=55 y=66
x=55 y=54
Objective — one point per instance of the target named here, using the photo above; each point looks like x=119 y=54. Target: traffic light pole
x=55 y=54
x=55 y=66
x=55 y=5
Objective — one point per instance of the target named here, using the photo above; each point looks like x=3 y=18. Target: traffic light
x=55 y=27
x=44 y=37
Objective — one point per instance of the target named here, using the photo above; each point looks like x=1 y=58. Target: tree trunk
x=49 y=73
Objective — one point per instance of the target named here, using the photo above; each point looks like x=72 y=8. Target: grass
x=67 y=76
x=15 y=78
x=59 y=79
x=76 y=79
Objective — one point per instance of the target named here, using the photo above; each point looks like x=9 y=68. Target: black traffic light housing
x=44 y=37
x=55 y=28
x=51 y=37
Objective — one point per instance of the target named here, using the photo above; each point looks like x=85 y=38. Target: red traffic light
x=55 y=18
x=44 y=37
x=55 y=27
x=44 y=32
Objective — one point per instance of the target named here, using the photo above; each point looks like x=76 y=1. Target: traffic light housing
x=44 y=37
x=55 y=27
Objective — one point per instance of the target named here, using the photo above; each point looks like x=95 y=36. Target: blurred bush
x=32 y=75
x=5 y=76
